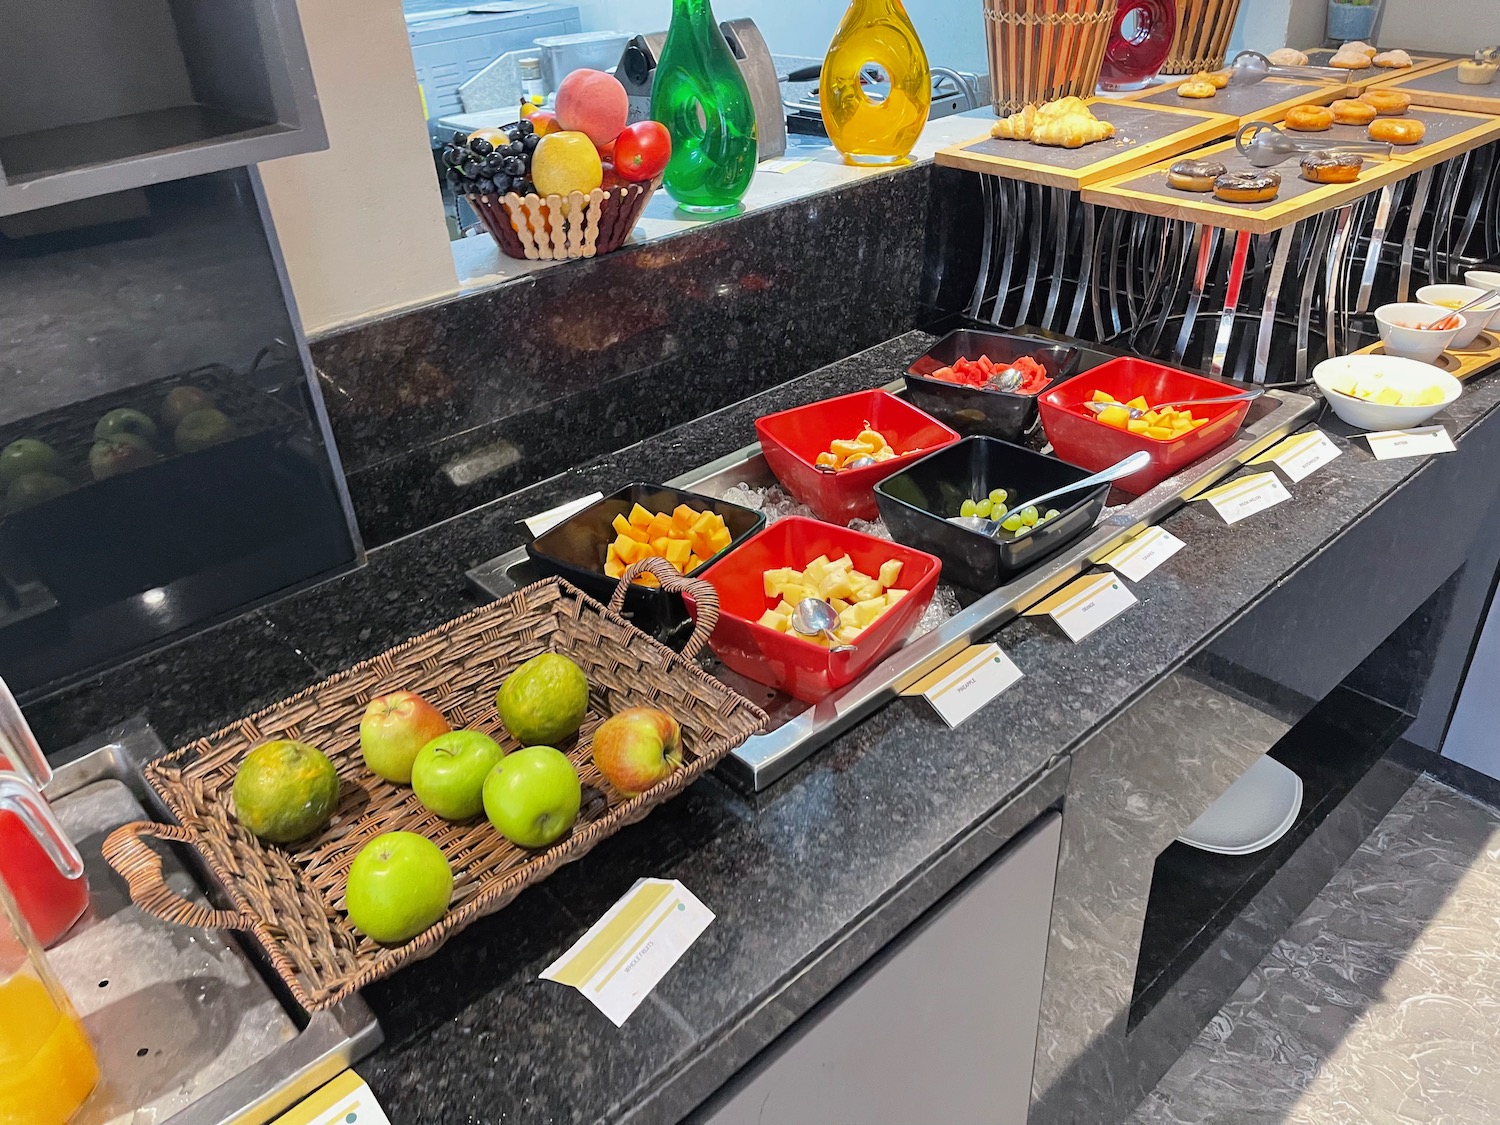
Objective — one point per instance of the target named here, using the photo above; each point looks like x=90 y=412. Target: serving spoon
x=859 y=462
x=1132 y=464
x=812 y=617
x=1268 y=146
x=1250 y=67
x=1441 y=323
x=1138 y=412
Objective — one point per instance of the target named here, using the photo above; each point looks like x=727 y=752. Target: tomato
x=967 y=372
x=642 y=150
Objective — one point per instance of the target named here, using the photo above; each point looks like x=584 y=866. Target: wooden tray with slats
x=1461 y=363
x=1264 y=101
x=1440 y=87
x=1144 y=134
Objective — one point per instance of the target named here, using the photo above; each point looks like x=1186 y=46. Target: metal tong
x=1266 y=146
x=1250 y=67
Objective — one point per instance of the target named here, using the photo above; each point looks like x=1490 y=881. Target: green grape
x=982 y=509
x=998 y=511
x=998 y=496
x=968 y=508
x=1052 y=514
x=1029 y=516
x=1012 y=522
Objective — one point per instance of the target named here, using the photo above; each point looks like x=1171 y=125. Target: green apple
x=125 y=421
x=201 y=429
x=109 y=457
x=637 y=748
x=532 y=796
x=449 y=772
x=394 y=728
x=182 y=401
x=30 y=489
x=27 y=455
x=399 y=884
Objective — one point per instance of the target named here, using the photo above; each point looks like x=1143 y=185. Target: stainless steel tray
x=798 y=729
x=188 y=1029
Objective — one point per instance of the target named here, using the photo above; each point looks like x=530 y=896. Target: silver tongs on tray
x=1250 y=67
x=1266 y=146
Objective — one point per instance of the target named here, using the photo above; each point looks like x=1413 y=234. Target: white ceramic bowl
x=1422 y=344
x=1485 y=279
x=1455 y=295
x=1402 y=374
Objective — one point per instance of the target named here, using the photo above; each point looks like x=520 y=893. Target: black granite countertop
x=806 y=880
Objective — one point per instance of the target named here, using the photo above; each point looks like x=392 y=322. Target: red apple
x=637 y=748
x=394 y=729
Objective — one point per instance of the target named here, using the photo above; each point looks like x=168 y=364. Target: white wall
x=952 y=31
x=1459 y=26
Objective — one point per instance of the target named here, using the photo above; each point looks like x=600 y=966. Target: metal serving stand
x=798 y=729
x=187 y=1028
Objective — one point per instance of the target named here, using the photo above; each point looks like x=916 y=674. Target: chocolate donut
x=1331 y=167
x=1247 y=187
x=1194 y=175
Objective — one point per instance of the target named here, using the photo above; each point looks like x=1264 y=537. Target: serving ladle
x=1250 y=67
x=1132 y=464
x=812 y=617
x=1267 y=146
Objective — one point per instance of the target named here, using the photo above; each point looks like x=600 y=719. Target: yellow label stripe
x=640 y=941
x=614 y=934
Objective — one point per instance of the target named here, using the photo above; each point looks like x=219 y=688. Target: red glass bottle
x=1139 y=43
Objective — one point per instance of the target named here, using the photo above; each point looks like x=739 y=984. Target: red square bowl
x=796 y=666
x=793 y=439
x=1079 y=438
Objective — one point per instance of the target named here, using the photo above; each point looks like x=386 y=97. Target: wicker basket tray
x=1042 y=50
x=1203 y=29
x=579 y=226
x=291 y=900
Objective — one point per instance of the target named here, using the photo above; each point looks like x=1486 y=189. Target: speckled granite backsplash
x=440 y=410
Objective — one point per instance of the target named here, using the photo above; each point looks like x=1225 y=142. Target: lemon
x=566 y=162
x=285 y=790
x=544 y=700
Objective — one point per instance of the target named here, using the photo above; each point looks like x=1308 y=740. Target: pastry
x=1065 y=123
x=1194 y=175
x=1247 y=187
x=1220 y=78
x=1474 y=73
x=1309 y=118
x=1358 y=46
x=1350 y=111
x=1346 y=59
x=1392 y=60
x=1331 y=167
x=1197 y=88
x=1287 y=56
x=1398 y=131
x=1387 y=103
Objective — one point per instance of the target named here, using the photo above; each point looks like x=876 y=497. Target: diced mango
x=1138 y=403
x=1116 y=416
x=1102 y=396
x=614 y=568
x=639 y=516
x=1160 y=433
x=719 y=539
x=620 y=524
x=677 y=552
x=1137 y=425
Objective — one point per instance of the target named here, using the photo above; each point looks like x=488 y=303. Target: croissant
x=1016 y=127
x=1065 y=123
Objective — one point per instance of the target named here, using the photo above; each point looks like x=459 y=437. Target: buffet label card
x=967 y=682
x=1246 y=496
x=1300 y=455
x=1086 y=605
x=343 y=1100
x=1144 y=553
x=783 y=164
x=1389 y=444
x=543 y=522
x=627 y=952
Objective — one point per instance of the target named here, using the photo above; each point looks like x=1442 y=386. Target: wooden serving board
x=1146 y=191
x=1483 y=354
x=1144 y=134
x=1370 y=75
x=1440 y=87
x=1264 y=101
x=1449 y=132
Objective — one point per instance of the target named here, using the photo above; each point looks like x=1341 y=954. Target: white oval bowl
x=1402 y=374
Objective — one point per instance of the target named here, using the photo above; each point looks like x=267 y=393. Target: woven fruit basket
x=290 y=900
x=1042 y=50
x=573 y=226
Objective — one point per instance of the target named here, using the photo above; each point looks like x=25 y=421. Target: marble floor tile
x=1381 y=1005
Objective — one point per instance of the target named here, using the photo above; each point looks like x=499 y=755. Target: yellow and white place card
x=630 y=949
x=1246 y=496
x=783 y=164
x=966 y=683
x=543 y=522
x=1301 y=454
x=344 y=1101
x=1390 y=444
x=1144 y=553
x=1086 y=605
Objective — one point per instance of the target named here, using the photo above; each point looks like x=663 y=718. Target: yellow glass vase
x=867 y=131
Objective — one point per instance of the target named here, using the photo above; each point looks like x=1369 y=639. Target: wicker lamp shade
x=1202 y=40
x=1041 y=50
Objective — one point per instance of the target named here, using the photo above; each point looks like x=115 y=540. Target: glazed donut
x=1403 y=131
x=1247 y=187
x=1331 y=167
x=1350 y=111
x=1286 y=56
x=1197 y=88
x=1194 y=175
x=1309 y=118
x=1387 y=103
x=1350 y=60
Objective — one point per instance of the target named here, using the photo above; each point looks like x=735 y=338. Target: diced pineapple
x=890 y=572
x=784 y=608
x=1102 y=396
x=839 y=604
x=837 y=585
x=843 y=562
x=867 y=592
x=815 y=570
x=773 y=620
x=847 y=618
x=865 y=613
x=1137 y=425
x=1199 y=422
x=894 y=596
x=847 y=634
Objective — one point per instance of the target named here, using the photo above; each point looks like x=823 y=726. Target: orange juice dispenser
x=47 y=1066
x=867 y=131
x=37 y=861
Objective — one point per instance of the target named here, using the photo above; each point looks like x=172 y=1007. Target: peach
x=592 y=102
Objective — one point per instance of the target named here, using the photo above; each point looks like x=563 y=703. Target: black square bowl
x=576 y=548
x=917 y=502
x=972 y=411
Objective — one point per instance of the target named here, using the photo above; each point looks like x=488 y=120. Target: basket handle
x=702 y=598
x=140 y=867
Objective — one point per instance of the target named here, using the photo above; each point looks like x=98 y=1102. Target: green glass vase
x=866 y=131
x=699 y=94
